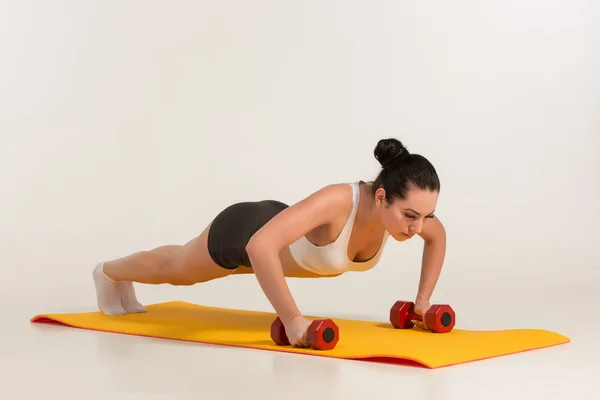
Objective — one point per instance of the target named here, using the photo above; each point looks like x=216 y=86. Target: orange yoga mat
x=359 y=340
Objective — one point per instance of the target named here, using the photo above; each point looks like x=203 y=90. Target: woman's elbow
x=253 y=247
x=259 y=245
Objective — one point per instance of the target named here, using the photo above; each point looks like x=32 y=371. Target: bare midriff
x=291 y=269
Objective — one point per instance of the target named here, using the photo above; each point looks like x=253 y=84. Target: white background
x=129 y=125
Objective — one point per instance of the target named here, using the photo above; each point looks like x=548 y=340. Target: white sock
x=107 y=293
x=128 y=298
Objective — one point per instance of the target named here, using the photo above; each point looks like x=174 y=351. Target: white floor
x=42 y=360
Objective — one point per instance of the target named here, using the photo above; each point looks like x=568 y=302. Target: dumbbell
x=322 y=334
x=440 y=318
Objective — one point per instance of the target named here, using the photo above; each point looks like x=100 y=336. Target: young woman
x=339 y=228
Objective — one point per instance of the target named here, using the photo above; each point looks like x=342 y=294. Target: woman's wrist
x=288 y=320
x=422 y=297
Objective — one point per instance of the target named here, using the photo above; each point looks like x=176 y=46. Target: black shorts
x=233 y=227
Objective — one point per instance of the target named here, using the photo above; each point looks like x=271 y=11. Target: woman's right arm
x=284 y=229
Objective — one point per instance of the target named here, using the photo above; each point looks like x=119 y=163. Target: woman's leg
x=168 y=249
x=129 y=301
x=175 y=265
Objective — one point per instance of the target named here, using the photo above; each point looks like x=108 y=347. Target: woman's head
x=406 y=190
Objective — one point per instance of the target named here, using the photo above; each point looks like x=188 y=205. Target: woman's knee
x=175 y=272
x=179 y=270
x=193 y=264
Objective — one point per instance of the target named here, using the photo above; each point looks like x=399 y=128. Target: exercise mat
x=358 y=340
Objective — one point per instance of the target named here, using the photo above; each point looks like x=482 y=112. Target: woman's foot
x=129 y=301
x=108 y=293
x=115 y=298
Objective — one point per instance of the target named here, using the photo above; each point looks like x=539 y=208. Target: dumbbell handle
x=413 y=316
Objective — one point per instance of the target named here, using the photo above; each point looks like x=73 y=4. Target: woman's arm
x=284 y=229
x=434 y=252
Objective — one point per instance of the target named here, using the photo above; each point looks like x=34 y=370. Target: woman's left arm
x=434 y=252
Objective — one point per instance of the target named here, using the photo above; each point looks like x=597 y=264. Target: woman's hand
x=421 y=307
x=296 y=330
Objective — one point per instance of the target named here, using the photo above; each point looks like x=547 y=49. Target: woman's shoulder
x=336 y=192
x=332 y=198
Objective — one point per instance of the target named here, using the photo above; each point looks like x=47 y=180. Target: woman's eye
x=410 y=216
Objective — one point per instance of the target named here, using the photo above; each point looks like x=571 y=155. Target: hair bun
x=388 y=150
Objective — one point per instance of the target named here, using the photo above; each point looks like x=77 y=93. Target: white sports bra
x=332 y=259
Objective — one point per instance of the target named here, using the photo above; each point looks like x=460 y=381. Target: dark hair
x=401 y=169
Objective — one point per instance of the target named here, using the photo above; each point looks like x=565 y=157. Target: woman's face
x=405 y=218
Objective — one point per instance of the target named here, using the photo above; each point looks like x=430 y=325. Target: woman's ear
x=380 y=197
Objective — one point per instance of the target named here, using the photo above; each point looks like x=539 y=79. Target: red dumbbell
x=323 y=334
x=440 y=318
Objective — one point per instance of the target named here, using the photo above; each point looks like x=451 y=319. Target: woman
x=339 y=228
